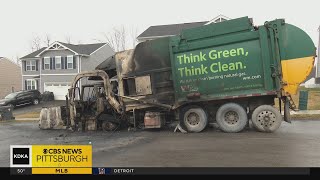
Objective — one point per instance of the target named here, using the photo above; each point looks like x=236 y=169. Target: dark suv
x=21 y=98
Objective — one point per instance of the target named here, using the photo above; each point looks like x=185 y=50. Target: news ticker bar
x=166 y=171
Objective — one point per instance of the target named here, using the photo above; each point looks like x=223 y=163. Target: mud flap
x=287 y=117
x=180 y=129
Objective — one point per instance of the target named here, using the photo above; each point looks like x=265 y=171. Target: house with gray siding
x=53 y=68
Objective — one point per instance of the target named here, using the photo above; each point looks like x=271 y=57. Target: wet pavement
x=293 y=145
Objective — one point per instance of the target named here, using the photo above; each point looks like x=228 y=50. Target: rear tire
x=193 y=119
x=266 y=118
x=231 y=118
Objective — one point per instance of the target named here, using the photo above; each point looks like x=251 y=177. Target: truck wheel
x=108 y=126
x=193 y=118
x=231 y=118
x=266 y=118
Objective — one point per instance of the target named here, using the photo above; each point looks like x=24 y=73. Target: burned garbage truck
x=228 y=73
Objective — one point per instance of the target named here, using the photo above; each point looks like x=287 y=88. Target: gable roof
x=220 y=17
x=171 y=29
x=175 y=29
x=86 y=49
x=83 y=49
x=33 y=54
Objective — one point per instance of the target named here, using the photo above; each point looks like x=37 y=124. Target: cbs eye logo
x=20 y=156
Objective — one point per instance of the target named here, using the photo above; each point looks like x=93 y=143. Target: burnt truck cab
x=138 y=95
x=89 y=107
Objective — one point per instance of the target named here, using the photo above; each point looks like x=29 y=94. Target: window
x=46 y=63
x=31 y=84
x=58 y=62
x=31 y=65
x=69 y=62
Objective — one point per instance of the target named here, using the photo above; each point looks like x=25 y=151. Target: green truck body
x=233 y=59
x=229 y=72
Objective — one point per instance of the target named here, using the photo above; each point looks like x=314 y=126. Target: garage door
x=60 y=90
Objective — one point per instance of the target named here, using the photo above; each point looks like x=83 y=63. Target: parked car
x=21 y=98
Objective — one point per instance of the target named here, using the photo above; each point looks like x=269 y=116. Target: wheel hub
x=193 y=119
x=108 y=126
x=266 y=118
x=231 y=117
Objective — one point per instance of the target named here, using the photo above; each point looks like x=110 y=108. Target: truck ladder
x=292 y=105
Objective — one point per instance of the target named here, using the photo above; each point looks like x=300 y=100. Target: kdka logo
x=20 y=156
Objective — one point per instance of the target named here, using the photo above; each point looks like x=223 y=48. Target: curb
x=26 y=119
x=309 y=112
x=303 y=112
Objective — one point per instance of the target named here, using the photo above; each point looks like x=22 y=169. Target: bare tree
x=113 y=39
x=35 y=43
x=119 y=38
x=116 y=38
x=17 y=59
x=47 y=40
x=133 y=36
x=68 y=39
x=123 y=38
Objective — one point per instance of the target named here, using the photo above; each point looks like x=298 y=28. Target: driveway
x=36 y=108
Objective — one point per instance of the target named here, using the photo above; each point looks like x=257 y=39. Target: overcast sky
x=86 y=20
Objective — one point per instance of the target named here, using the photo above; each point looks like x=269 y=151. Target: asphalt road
x=293 y=145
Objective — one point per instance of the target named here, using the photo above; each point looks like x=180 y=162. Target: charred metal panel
x=143 y=85
x=109 y=66
x=153 y=120
x=91 y=124
x=123 y=65
x=129 y=86
x=150 y=58
x=151 y=55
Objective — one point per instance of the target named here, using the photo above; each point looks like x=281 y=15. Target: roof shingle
x=85 y=49
x=171 y=29
x=33 y=54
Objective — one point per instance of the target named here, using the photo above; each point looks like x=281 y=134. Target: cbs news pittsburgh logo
x=20 y=156
x=52 y=159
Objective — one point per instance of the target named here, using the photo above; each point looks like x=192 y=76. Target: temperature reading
x=20 y=171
